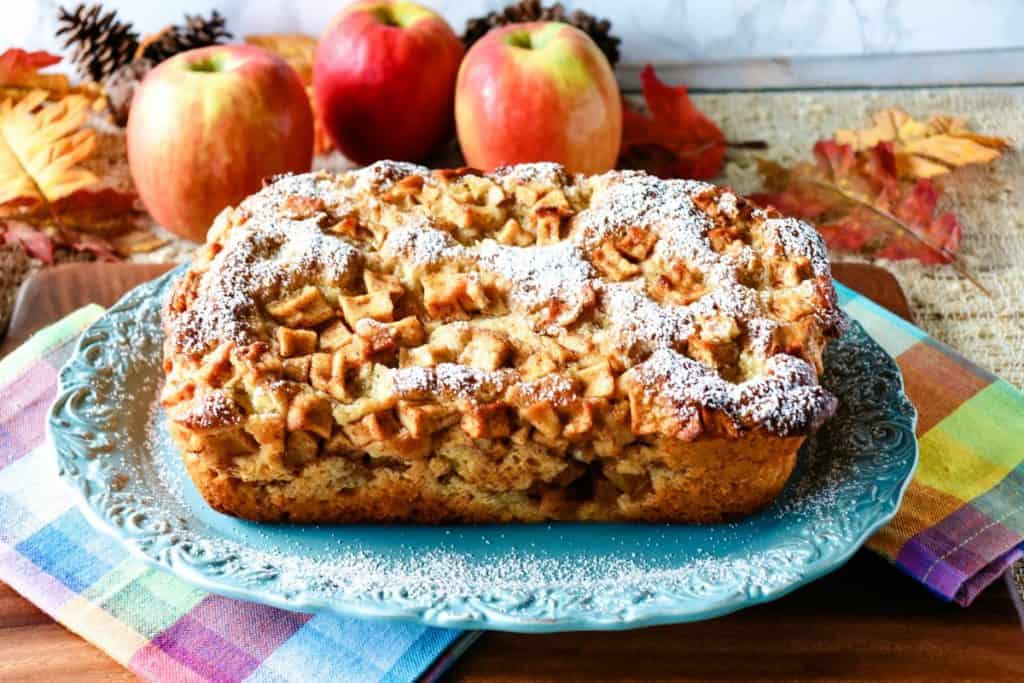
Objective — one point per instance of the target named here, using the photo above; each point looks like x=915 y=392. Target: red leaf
x=42 y=244
x=35 y=242
x=858 y=203
x=943 y=232
x=16 y=60
x=676 y=141
x=20 y=68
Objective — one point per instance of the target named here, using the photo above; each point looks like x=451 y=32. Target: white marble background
x=652 y=30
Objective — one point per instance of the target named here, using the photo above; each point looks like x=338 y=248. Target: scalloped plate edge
x=645 y=617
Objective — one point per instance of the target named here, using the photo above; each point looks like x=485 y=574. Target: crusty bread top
x=527 y=287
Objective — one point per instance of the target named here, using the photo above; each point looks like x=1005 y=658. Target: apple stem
x=747 y=144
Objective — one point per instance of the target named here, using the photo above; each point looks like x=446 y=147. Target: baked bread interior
x=399 y=344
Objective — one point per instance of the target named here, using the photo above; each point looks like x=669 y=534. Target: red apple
x=538 y=92
x=384 y=80
x=207 y=126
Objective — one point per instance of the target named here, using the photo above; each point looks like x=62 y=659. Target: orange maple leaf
x=858 y=203
x=41 y=145
x=677 y=140
x=20 y=69
x=924 y=149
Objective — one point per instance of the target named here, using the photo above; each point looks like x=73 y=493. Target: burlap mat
x=988 y=201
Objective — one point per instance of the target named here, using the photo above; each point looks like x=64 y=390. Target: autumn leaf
x=295 y=48
x=322 y=143
x=858 y=204
x=298 y=49
x=41 y=145
x=139 y=241
x=676 y=140
x=20 y=69
x=925 y=149
x=36 y=243
x=42 y=242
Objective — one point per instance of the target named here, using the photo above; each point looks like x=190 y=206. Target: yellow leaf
x=295 y=48
x=322 y=143
x=41 y=144
x=925 y=149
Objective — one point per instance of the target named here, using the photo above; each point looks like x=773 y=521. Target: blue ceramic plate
x=112 y=447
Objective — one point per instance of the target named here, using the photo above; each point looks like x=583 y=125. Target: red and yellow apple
x=208 y=125
x=538 y=92
x=384 y=80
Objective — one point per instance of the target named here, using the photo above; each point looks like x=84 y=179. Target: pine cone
x=120 y=88
x=531 y=10
x=197 y=32
x=101 y=44
x=200 y=32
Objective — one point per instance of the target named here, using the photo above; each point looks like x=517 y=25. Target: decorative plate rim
x=76 y=427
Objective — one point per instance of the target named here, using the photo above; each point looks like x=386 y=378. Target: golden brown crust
x=398 y=345
x=709 y=481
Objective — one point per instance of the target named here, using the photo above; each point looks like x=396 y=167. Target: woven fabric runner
x=153 y=623
x=959 y=528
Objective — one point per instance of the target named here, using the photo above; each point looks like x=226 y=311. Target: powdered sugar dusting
x=727 y=204
x=539 y=274
x=450 y=380
x=266 y=254
x=417 y=242
x=282 y=245
x=796 y=238
x=637 y=320
x=383 y=174
x=666 y=208
x=555 y=389
x=760 y=331
x=646 y=202
x=540 y=172
x=210 y=411
x=786 y=400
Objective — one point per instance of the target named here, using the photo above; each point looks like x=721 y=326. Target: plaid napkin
x=959 y=528
x=961 y=524
x=151 y=622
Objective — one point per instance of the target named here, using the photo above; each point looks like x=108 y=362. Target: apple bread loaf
x=398 y=344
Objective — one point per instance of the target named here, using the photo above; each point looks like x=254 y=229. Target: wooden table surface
x=865 y=622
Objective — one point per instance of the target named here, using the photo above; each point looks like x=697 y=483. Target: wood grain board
x=865 y=622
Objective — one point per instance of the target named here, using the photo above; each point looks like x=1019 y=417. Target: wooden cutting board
x=864 y=622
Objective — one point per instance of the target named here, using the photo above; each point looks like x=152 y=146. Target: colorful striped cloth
x=961 y=524
x=151 y=622
x=959 y=528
